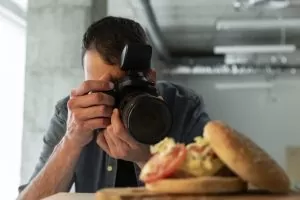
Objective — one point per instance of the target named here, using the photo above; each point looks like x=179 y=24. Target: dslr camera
x=147 y=117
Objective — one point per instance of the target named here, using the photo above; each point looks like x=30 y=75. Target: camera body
x=145 y=115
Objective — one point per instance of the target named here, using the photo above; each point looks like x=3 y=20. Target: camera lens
x=147 y=118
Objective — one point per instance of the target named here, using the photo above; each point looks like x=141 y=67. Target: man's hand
x=88 y=111
x=118 y=143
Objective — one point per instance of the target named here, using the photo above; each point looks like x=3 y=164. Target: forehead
x=92 y=58
x=95 y=66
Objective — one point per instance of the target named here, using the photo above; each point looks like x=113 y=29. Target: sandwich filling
x=175 y=160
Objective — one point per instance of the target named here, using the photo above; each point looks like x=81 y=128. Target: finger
x=101 y=141
x=118 y=127
x=92 y=99
x=96 y=123
x=110 y=142
x=73 y=93
x=112 y=138
x=109 y=129
x=91 y=86
x=116 y=122
x=119 y=148
x=93 y=112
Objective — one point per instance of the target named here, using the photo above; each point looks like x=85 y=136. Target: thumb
x=115 y=117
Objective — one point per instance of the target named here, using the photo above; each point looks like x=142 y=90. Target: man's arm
x=57 y=161
x=71 y=129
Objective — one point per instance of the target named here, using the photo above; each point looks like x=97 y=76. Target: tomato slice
x=163 y=165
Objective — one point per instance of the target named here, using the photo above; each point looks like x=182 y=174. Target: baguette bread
x=224 y=161
x=246 y=158
x=199 y=185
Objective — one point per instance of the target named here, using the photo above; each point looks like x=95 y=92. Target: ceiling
x=189 y=28
x=187 y=32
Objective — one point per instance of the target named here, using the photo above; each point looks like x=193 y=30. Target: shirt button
x=109 y=168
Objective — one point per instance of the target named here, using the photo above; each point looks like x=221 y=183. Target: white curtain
x=12 y=71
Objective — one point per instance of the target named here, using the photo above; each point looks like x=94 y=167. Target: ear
x=151 y=75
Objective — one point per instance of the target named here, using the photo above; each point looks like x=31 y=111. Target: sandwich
x=222 y=161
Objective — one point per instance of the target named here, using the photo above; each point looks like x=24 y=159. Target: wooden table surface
x=253 y=196
x=72 y=196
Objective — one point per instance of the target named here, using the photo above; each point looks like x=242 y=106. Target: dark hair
x=109 y=36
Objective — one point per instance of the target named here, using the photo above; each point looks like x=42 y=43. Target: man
x=72 y=153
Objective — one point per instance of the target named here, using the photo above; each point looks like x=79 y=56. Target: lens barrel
x=147 y=117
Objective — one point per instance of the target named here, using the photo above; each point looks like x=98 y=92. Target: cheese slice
x=163 y=146
x=196 y=163
x=201 y=164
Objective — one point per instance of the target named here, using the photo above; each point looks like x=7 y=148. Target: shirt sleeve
x=198 y=119
x=54 y=134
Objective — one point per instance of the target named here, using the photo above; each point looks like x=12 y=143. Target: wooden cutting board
x=143 y=194
x=71 y=196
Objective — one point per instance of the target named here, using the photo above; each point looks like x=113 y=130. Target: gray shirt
x=95 y=169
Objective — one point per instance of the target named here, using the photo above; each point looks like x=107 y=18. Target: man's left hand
x=118 y=143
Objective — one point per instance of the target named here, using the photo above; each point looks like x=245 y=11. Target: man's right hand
x=88 y=111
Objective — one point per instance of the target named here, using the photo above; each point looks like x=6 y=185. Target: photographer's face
x=95 y=67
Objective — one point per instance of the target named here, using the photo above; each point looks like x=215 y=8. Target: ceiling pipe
x=260 y=24
x=282 y=48
x=266 y=4
x=145 y=14
x=232 y=70
x=292 y=59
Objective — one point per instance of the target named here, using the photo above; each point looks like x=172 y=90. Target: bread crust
x=245 y=158
x=199 y=185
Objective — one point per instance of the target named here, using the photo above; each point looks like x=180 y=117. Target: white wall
x=53 y=68
x=12 y=59
x=271 y=117
x=53 y=65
